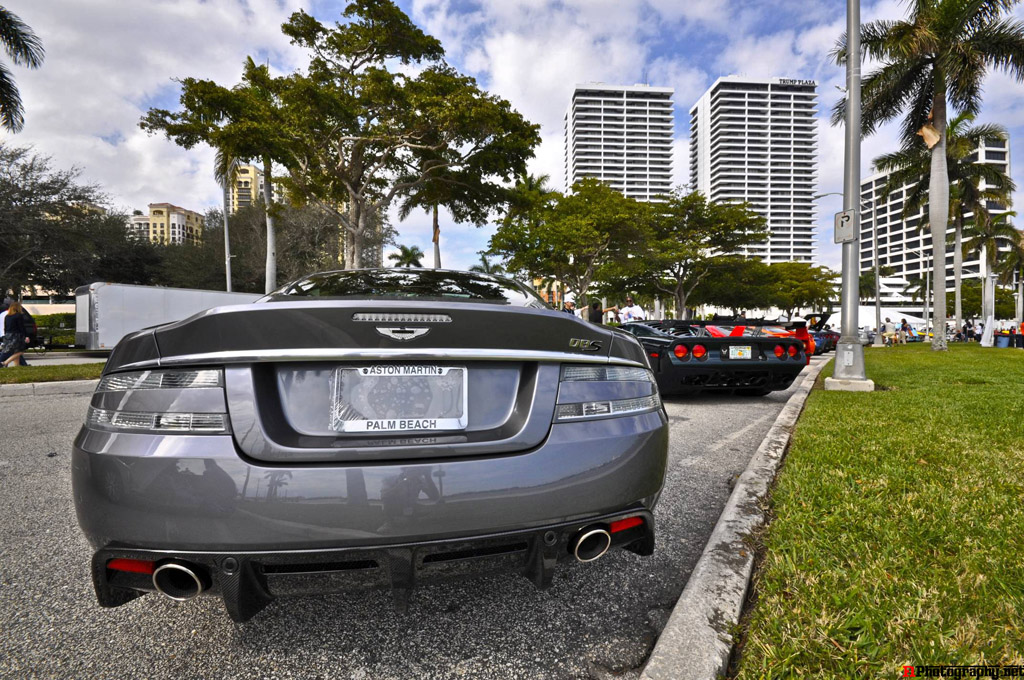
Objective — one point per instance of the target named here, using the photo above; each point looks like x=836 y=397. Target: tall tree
x=984 y=236
x=934 y=60
x=738 y=283
x=688 y=236
x=245 y=122
x=407 y=256
x=486 y=266
x=574 y=238
x=1011 y=271
x=972 y=185
x=365 y=134
x=801 y=285
x=866 y=291
x=53 y=229
x=225 y=171
x=24 y=49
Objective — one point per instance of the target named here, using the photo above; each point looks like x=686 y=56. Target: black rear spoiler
x=816 y=322
x=726 y=321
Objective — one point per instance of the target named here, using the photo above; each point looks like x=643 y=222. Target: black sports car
x=749 y=357
x=365 y=427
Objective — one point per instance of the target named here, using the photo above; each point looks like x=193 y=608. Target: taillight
x=699 y=351
x=623 y=524
x=780 y=352
x=792 y=350
x=128 y=400
x=681 y=351
x=635 y=380
x=133 y=566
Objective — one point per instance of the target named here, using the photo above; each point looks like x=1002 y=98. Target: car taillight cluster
x=684 y=351
x=638 y=380
x=123 y=402
x=781 y=352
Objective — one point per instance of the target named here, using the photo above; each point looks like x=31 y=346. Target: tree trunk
x=938 y=216
x=681 y=311
x=437 y=241
x=983 y=270
x=268 y=199
x=1020 y=300
x=958 y=270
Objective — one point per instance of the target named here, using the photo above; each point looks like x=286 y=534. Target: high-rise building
x=621 y=135
x=169 y=224
x=903 y=246
x=755 y=140
x=248 y=188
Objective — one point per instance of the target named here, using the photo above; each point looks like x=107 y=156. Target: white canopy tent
x=866 y=317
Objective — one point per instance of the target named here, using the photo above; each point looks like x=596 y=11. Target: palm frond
x=1000 y=44
x=12 y=115
x=22 y=45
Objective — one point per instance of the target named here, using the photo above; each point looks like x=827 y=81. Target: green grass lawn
x=898 y=523
x=27 y=374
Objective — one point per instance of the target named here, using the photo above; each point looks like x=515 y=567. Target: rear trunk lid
x=327 y=381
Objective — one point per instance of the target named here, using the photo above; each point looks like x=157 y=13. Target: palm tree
x=866 y=290
x=486 y=267
x=529 y=195
x=407 y=256
x=225 y=171
x=933 y=60
x=966 y=178
x=985 y=235
x=25 y=49
x=1011 y=270
x=917 y=289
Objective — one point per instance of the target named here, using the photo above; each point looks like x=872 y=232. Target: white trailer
x=106 y=312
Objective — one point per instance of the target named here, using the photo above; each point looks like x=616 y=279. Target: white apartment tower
x=621 y=135
x=755 y=140
x=902 y=245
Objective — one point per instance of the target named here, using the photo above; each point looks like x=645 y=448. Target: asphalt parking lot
x=597 y=621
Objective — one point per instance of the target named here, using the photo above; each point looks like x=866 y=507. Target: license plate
x=739 y=351
x=399 y=398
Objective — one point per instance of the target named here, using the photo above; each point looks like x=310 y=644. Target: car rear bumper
x=695 y=377
x=193 y=496
x=248 y=581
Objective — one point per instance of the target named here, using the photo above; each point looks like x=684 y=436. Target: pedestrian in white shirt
x=631 y=312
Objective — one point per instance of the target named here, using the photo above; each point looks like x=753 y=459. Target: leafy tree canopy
x=688 y=237
x=575 y=238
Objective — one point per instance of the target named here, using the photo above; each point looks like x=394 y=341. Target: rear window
x=429 y=284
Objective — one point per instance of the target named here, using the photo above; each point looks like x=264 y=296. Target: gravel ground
x=597 y=621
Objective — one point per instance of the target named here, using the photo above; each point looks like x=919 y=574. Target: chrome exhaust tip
x=591 y=543
x=179 y=581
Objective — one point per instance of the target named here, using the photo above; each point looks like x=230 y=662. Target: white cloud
x=106 y=60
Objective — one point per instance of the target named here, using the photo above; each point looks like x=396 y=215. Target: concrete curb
x=697 y=640
x=48 y=388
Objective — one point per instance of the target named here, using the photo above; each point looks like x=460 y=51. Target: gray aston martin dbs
x=369 y=427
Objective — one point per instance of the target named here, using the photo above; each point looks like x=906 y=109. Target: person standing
x=595 y=314
x=632 y=311
x=904 y=331
x=569 y=307
x=15 y=336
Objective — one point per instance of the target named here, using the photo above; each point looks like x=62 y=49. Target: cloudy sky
x=108 y=61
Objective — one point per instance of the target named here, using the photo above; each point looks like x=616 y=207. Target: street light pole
x=849 y=374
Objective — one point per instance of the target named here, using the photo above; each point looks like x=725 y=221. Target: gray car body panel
x=283 y=482
x=197 y=493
